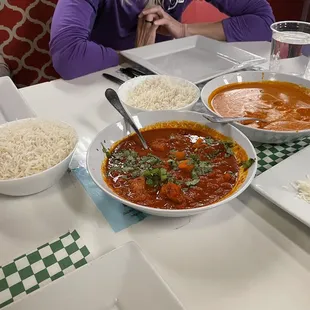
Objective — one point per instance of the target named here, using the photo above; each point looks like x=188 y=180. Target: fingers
x=151 y=17
x=150 y=27
x=158 y=10
x=147 y=29
x=146 y=32
x=146 y=36
x=163 y=31
x=161 y=22
x=154 y=28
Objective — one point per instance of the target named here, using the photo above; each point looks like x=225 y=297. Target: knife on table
x=113 y=78
x=137 y=72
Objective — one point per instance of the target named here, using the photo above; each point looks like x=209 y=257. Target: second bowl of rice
x=158 y=92
x=34 y=155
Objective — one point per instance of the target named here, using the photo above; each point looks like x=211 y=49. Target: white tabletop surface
x=247 y=254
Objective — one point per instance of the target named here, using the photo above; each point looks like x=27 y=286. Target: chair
x=306 y=11
x=24 y=39
x=202 y=12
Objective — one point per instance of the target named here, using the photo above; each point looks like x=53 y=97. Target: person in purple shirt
x=86 y=35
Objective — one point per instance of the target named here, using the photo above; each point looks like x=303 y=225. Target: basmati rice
x=303 y=189
x=162 y=93
x=32 y=146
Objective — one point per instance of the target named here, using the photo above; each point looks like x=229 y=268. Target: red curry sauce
x=282 y=106
x=183 y=169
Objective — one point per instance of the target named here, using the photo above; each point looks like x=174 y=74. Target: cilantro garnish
x=228 y=145
x=105 y=150
x=247 y=163
x=192 y=182
x=209 y=140
x=155 y=177
x=173 y=164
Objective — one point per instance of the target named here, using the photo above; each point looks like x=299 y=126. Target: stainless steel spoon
x=112 y=97
x=227 y=120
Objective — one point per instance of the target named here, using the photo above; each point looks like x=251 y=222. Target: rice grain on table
x=32 y=146
x=161 y=93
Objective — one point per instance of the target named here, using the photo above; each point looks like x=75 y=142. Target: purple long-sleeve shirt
x=85 y=34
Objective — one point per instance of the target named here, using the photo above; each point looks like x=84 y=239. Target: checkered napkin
x=36 y=269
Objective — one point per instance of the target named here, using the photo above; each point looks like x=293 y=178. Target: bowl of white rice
x=158 y=92
x=34 y=155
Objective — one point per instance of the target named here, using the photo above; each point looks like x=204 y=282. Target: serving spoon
x=113 y=98
x=227 y=120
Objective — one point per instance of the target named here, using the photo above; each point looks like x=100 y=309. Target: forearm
x=210 y=30
x=72 y=52
x=249 y=20
x=74 y=57
x=248 y=27
x=240 y=28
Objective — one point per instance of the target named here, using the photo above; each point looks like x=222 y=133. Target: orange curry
x=184 y=168
x=283 y=106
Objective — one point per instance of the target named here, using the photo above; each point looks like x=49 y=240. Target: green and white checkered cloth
x=38 y=268
x=270 y=155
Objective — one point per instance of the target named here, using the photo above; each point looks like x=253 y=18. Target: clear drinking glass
x=290 y=47
x=307 y=73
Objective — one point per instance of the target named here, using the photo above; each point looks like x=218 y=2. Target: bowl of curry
x=190 y=166
x=280 y=101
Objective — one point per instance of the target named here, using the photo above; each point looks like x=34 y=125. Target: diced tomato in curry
x=183 y=169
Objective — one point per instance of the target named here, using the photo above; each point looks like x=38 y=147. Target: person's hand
x=167 y=25
x=146 y=30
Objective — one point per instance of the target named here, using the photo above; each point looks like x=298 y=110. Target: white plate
x=195 y=58
x=12 y=104
x=257 y=135
x=120 y=280
x=117 y=131
x=275 y=185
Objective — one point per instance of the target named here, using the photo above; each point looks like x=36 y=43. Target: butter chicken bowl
x=190 y=167
x=281 y=101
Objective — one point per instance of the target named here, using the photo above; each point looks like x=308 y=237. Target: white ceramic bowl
x=257 y=135
x=129 y=85
x=38 y=182
x=117 y=131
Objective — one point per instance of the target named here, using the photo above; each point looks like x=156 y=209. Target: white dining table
x=246 y=254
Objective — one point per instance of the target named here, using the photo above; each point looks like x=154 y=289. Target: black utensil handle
x=136 y=71
x=127 y=72
x=112 y=78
